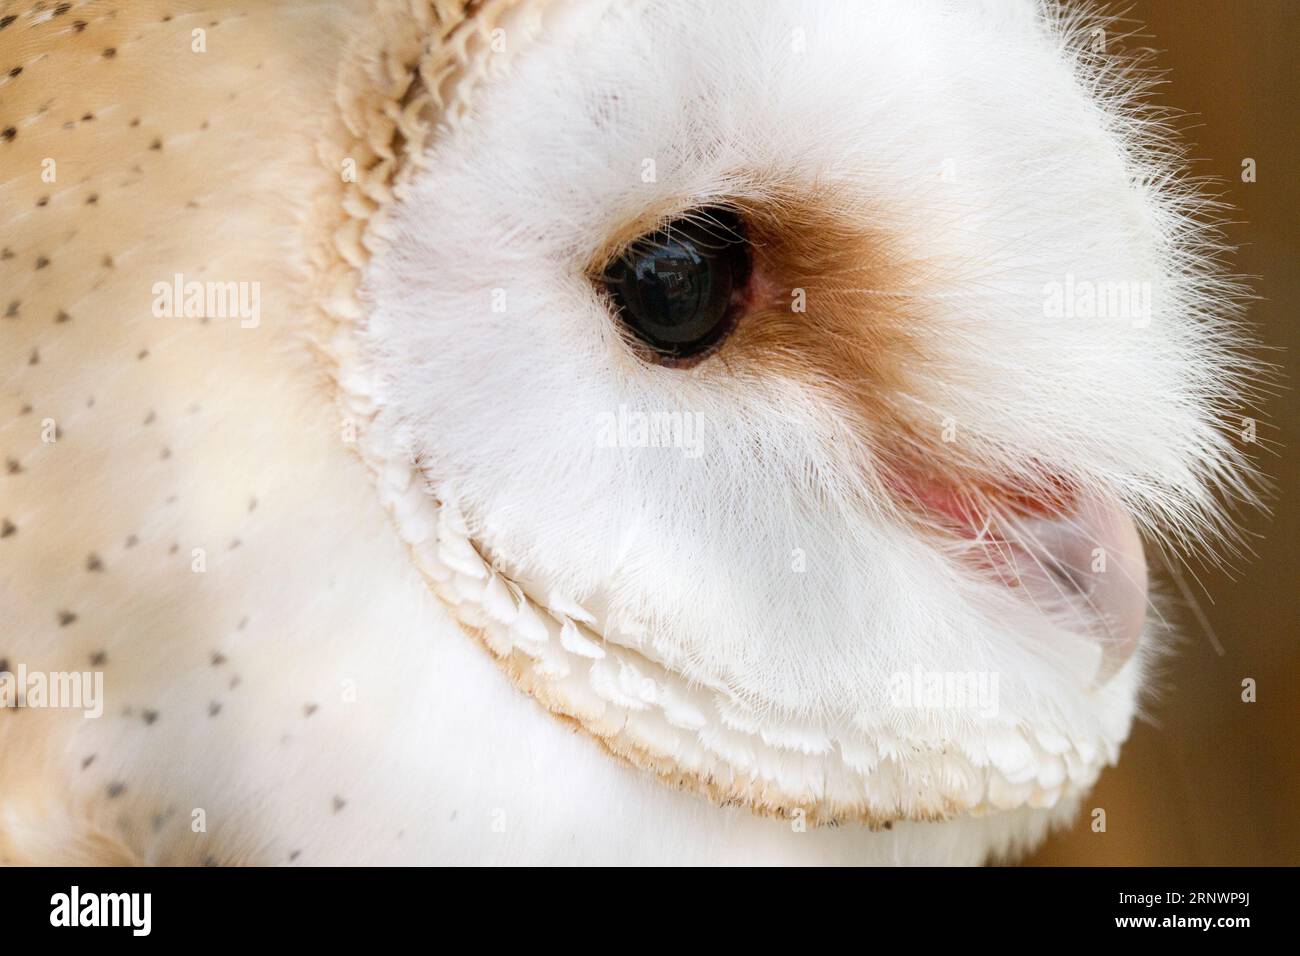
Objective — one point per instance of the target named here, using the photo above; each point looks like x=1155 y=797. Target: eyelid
x=624 y=238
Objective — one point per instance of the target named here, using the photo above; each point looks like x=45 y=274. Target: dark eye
x=680 y=289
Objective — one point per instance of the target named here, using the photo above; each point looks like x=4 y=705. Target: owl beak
x=1087 y=565
x=1075 y=556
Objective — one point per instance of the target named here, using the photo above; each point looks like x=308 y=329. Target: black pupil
x=678 y=289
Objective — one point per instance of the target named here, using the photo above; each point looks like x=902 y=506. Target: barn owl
x=647 y=431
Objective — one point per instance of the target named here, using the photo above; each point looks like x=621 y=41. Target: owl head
x=784 y=392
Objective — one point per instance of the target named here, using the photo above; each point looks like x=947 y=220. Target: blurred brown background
x=1216 y=780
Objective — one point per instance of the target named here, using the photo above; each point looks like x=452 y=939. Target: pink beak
x=1089 y=559
x=1077 y=556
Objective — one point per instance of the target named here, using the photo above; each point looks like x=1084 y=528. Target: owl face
x=794 y=384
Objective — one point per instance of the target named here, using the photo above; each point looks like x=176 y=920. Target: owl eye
x=679 y=290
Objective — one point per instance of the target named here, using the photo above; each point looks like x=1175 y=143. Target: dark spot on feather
x=99 y=658
x=87 y=761
x=309 y=709
x=218 y=658
x=93 y=562
x=66 y=618
x=7 y=528
x=5 y=21
x=12 y=311
x=62 y=316
x=110 y=53
x=149 y=716
x=116 y=789
x=214 y=708
x=339 y=804
x=9 y=133
x=42 y=262
x=16 y=71
x=13 y=466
